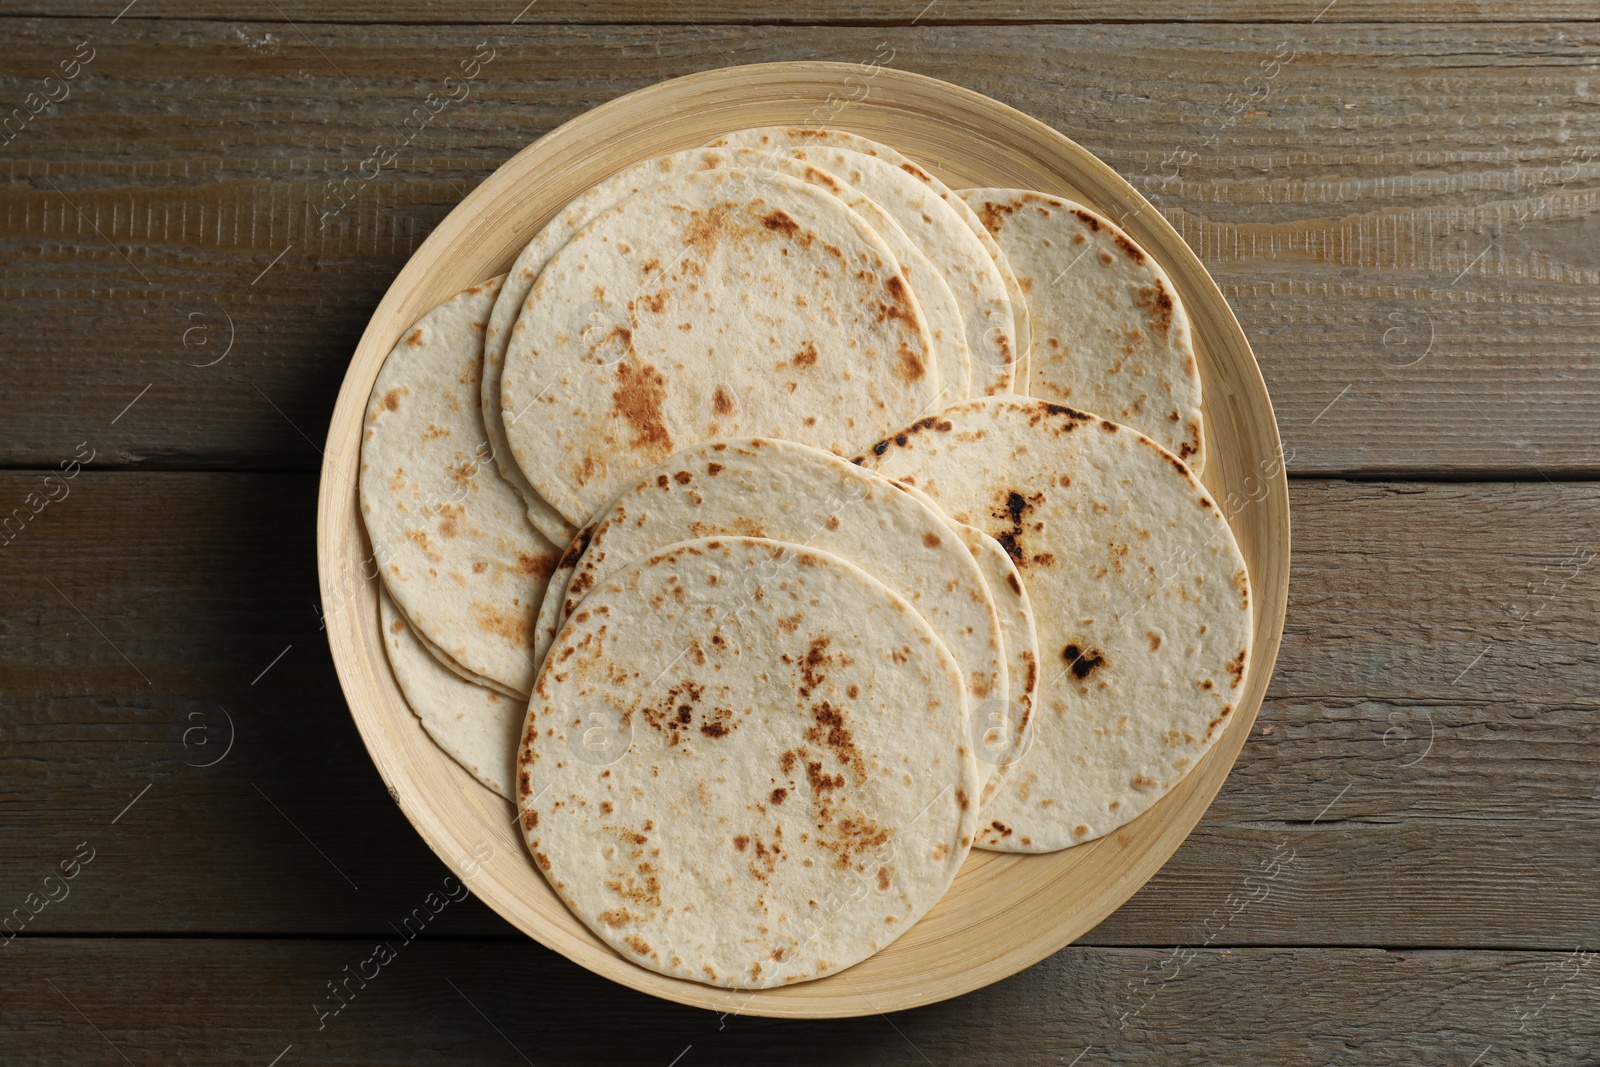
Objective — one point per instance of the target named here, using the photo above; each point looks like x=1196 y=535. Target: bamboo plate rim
x=1004 y=912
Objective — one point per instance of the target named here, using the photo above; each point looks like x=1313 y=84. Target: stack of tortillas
x=786 y=524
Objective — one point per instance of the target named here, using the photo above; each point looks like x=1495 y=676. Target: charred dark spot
x=1082 y=663
x=1087 y=219
x=779 y=795
x=880 y=448
x=1133 y=251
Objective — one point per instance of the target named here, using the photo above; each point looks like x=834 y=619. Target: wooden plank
x=1427 y=754
x=154 y=1001
x=799 y=12
x=1403 y=217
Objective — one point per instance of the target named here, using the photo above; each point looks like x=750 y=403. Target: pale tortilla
x=737 y=302
x=997 y=369
x=1141 y=602
x=746 y=764
x=935 y=226
x=763 y=487
x=478 y=727
x=1001 y=729
x=1110 y=333
x=451 y=537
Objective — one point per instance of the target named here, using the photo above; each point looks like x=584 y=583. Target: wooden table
x=1400 y=202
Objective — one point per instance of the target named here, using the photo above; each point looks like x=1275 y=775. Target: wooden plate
x=1004 y=912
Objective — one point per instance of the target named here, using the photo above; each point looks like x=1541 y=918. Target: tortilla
x=746 y=765
x=451 y=537
x=519 y=282
x=478 y=727
x=548 y=622
x=737 y=302
x=763 y=487
x=940 y=311
x=998 y=370
x=1000 y=729
x=1111 y=334
x=1141 y=602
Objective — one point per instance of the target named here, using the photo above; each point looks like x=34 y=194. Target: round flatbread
x=451 y=536
x=746 y=764
x=1111 y=334
x=996 y=370
x=1001 y=729
x=1140 y=597
x=728 y=302
x=477 y=726
x=939 y=308
x=936 y=227
x=763 y=487
x=553 y=237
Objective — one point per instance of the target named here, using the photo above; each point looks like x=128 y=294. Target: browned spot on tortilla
x=448 y=527
x=807 y=356
x=993 y=215
x=780 y=222
x=415 y=340
x=542 y=860
x=940 y=851
x=713 y=469
x=656 y=303
x=638 y=944
x=900 y=306
x=883 y=878
x=787 y=761
x=830 y=729
x=651 y=265
x=1155 y=639
x=706 y=228
x=683 y=477
x=1016 y=586
x=1082 y=663
x=638 y=398
x=1080 y=831
x=1087 y=219
x=821 y=782
x=832 y=522
x=616 y=917
x=1141 y=782
x=1108 y=426
x=931 y=539
x=1133 y=251
x=1001 y=828
x=1236 y=668
x=910 y=367
x=537 y=565
x=579 y=545
x=391 y=399
x=479 y=566
x=1156 y=303
x=741 y=842
x=961 y=799
x=721 y=402
x=516 y=629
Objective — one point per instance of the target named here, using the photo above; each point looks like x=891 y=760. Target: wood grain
x=1420 y=812
x=1349 y=204
x=883 y=12
x=513 y=1003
